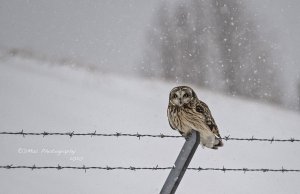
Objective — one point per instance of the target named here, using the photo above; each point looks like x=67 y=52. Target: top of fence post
x=182 y=162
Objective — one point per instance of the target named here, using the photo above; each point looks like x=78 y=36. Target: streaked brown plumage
x=187 y=112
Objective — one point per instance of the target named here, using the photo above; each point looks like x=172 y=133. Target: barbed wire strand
x=155 y=168
x=138 y=135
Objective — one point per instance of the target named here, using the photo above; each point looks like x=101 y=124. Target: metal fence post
x=182 y=162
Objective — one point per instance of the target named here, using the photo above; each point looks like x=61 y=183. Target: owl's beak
x=180 y=101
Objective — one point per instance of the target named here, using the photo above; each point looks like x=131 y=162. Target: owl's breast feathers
x=173 y=116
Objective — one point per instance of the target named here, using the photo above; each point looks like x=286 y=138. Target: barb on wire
x=139 y=136
x=155 y=168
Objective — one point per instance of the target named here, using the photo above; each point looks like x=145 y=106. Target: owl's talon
x=188 y=136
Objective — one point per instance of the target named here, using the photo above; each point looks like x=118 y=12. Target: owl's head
x=181 y=95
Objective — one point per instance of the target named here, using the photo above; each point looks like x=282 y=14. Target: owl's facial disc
x=180 y=96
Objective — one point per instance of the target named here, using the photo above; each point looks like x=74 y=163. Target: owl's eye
x=175 y=96
x=185 y=95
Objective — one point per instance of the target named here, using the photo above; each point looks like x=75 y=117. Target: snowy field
x=47 y=97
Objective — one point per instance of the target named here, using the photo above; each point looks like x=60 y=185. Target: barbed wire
x=155 y=168
x=138 y=135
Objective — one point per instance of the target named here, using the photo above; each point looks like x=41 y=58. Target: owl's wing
x=201 y=107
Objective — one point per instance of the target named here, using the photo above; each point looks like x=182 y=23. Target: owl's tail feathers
x=218 y=143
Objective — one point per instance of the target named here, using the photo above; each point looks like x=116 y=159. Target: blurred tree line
x=214 y=44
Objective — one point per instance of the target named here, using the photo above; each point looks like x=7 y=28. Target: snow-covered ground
x=40 y=97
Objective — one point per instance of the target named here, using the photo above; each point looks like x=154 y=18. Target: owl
x=187 y=112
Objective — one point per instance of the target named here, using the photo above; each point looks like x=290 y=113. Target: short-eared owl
x=187 y=112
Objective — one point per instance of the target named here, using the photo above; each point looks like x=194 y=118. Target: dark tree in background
x=298 y=95
x=247 y=64
x=228 y=25
x=214 y=44
x=177 y=47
